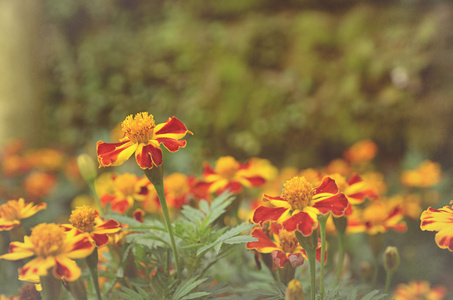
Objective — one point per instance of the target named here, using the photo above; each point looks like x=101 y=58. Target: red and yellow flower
x=415 y=290
x=440 y=220
x=39 y=184
x=54 y=249
x=282 y=245
x=86 y=219
x=427 y=174
x=378 y=217
x=229 y=174
x=13 y=211
x=300 y=203
x=361 y=152
x=143 y=137
x=127 y=189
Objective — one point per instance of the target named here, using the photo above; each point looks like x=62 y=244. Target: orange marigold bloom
x=143 y=137
x=13 y=211
x=127 y=188
x=54 y=249
x=86 y=219
x=46 y=159
x=416 y=290
x=361 y=152
x=378 y=217
x=283 y=246
x=230 y=174
x=427 y=174
x=39 y=184
x=440 y=220
x=300 y=203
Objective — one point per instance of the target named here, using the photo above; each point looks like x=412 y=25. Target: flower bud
x=294 y=291
x=391 y=259
x=87 y=168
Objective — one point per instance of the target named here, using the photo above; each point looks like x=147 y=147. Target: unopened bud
x=294 y=291
x=87 y=168
x=366 y=270
x=391 y=259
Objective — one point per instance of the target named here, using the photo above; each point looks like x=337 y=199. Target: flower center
x=47 y=239
x=125 y=184
x=139 y=129
x=227 y=167
x=298 y=192
x=288 y=241
x=8 y=211
x=83 y=218
x=177 y=184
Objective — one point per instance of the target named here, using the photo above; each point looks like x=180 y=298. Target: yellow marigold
x=427 y=174
x=415 y=290
x=13 y=211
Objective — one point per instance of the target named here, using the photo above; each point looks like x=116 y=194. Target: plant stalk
x=156 y=177
x=92 y=262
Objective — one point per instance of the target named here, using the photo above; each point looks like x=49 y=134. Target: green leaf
x=186 y=287
x=373 y=295
x=241 y=239
x=195 y=295
x=352 y=295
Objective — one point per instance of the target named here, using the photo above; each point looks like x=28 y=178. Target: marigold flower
x=127 y=189
x=143 y=137
x=54 y=249
x=419 y=290
x=13 y=211
x=86 y=219
x=440 y=220
x=39 y=184
x=283 y=246
x=300 y=203
x=378 y=217
x=361 y=152
x=230 y=174
x=427 y=174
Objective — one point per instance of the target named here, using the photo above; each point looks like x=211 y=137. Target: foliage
x=258 y=72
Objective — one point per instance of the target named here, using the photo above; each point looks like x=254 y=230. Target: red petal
x=172 y=145
x=337 y=204
x=328 y=185
x=301 y=221
x=148 y=156
x=108 y=152
x=100 y=239
x=263 y=240
x=263 y=213
x=354 y=179
x=172 y=125
x=110 y=224
x=256 y=180
x=279 y=258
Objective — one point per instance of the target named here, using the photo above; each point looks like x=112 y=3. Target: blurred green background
x=295 y=81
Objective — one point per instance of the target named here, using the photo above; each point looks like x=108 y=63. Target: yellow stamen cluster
x=139 y=129
x=83 y=218
x=9 y=210
x=126 y=184
x=47 y=239
x=176 y=184
x=288 y=241
x=227 y=167
x=298 y=192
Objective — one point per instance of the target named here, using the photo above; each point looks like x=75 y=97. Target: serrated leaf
x=186 y=287
x=372 y=296
x=240 y=239
x=195 y=295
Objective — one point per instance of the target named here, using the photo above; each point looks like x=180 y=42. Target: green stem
x=92 y=262
x=322 y=225
x=51 y=287
x=310 y=244
x=311 y=255
x=155 y=176
x=388 y=280
x=341 y=244
x=95 y=196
